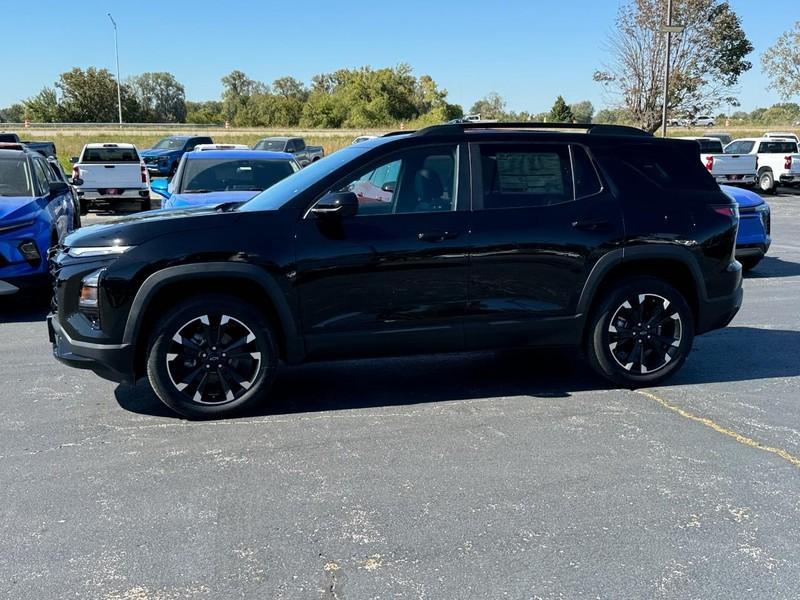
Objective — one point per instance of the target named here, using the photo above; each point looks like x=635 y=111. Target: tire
x=766 y=182
x=147 y=204
x=84 y=207
x=664 y=347
x=189 y=376
x=76 y=219
x=749 y=262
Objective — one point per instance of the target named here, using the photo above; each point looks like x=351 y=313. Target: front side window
x=15 y=177
x=39 y=168
x=522 y=175
x=418 y=180
x=739 y=147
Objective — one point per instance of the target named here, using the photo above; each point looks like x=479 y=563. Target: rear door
x=541 y=219
x=110 y=167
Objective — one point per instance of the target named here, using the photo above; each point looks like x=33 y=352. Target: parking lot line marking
x=742 y=439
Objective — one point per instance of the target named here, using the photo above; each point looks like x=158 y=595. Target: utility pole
x=116 y=52
x=666 y=69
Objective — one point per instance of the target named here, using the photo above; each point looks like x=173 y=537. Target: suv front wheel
x=211 y=356
x=641 y=333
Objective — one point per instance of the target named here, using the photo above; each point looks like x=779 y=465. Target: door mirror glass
x=337 y=205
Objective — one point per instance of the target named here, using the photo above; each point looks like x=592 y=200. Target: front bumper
x=110 y=361
x=158 y=168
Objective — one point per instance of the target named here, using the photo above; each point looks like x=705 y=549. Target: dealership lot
x=487 y=475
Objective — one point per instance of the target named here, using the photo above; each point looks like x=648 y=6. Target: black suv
x=455 y=237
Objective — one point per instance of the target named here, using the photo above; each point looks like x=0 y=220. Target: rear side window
x=709 y=146
x=668 y=167
x=109 y=154
x=521 y=175
x=739 y=147
x=777 y=148
x=40 y=170
x=587 y=182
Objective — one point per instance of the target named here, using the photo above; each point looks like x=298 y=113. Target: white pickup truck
x=109 y=173
x=731 y=169
x=778 y=160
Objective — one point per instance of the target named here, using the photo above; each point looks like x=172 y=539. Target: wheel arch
x=164 y=288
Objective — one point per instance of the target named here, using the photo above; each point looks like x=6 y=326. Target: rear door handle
x=109 y=166
x=592 y=224
x=437 y=236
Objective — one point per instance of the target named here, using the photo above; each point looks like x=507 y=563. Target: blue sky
x=526 y=50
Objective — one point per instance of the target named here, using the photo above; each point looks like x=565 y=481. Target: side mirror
x=73 y=159
x=58 y=187
x=388 y=186
x=336 y=204
x=76 y=181
x=160 y=187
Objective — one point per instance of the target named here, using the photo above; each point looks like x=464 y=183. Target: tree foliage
x=160 y=97
x=781 y=63
x=491 y=106
x=561 y=112
x=707 y=58
x=582 y=111
x=90 y=96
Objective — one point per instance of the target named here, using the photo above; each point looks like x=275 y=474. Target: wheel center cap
x=213 y=358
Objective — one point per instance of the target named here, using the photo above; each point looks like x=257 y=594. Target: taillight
x=710 y=162
x=144 y=175
x=76 y=173
x=788 y=163
x=727 y=211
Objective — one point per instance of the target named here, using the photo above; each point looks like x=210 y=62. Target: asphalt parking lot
x=489 y=475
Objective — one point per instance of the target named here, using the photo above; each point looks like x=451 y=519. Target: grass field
x=70 y=141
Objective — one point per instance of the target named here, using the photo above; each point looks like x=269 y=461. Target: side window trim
x=460 y=203
x=40 y=170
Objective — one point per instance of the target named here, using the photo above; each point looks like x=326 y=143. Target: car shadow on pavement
x=28 y=308
x=729 y=355
x=771 y=266
x=340 y=385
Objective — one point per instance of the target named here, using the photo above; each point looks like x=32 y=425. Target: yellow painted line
x=742 y=439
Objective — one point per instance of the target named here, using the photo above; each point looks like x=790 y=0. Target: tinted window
x=584 y=173
x=709 y=146
x=516 y=176
x=418 y=180
x=220 y=175
x=299 y=144
x=273 y=145
x=743 y=147
x=668 y=167
x=169 y=144
x=109 y=155
x=40 y=170
x=15 y=177
x=777 y=148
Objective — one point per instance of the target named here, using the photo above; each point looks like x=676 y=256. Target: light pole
x=116 y=52
x=669 y=29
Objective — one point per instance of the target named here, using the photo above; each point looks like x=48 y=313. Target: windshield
x=170 y=144
x=15 y=177
x=274 y=145
x=226 y=175
x=280 y=193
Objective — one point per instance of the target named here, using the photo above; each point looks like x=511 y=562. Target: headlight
x=97 y=251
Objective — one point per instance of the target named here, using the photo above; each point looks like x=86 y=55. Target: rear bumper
x=140 y=194
x=749 y=179
x=715 y=313
x=790 y=178
x=112 y=362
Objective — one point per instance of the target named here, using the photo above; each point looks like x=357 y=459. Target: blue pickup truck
x=165 y=155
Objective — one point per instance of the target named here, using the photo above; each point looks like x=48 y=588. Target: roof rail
x=598 y=129
x=399 y=132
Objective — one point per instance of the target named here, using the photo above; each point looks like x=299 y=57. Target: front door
x=393 y=278
x=541 y=219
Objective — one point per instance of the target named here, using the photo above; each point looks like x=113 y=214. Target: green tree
x=707 y=58
x=561 y=113
x=161 y=98
x=492 y=106
x=289 y=87
x=237 y=88
x=43 y=107
x=13 y=114
x=90 y=96
x=781 y=63
x=204 y=113
x=582 y=111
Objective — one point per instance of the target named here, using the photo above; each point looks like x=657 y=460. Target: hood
x=153 y=152
x=744 y=198
x=138 y=228
x=210 y=199
x=13 y=208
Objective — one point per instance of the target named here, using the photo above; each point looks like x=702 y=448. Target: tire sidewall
x=599 y=352
x=766 y=176
x=158 y=374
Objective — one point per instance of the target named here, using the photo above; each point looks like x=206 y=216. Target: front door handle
x=592 y=224
x=437 y=236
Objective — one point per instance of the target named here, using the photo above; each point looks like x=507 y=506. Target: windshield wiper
x=196 y=192
x=228 y=206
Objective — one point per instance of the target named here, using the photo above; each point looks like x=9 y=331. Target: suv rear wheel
x=211 y=356
x=640 y=333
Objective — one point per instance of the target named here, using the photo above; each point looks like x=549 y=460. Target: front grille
x=54 y=267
